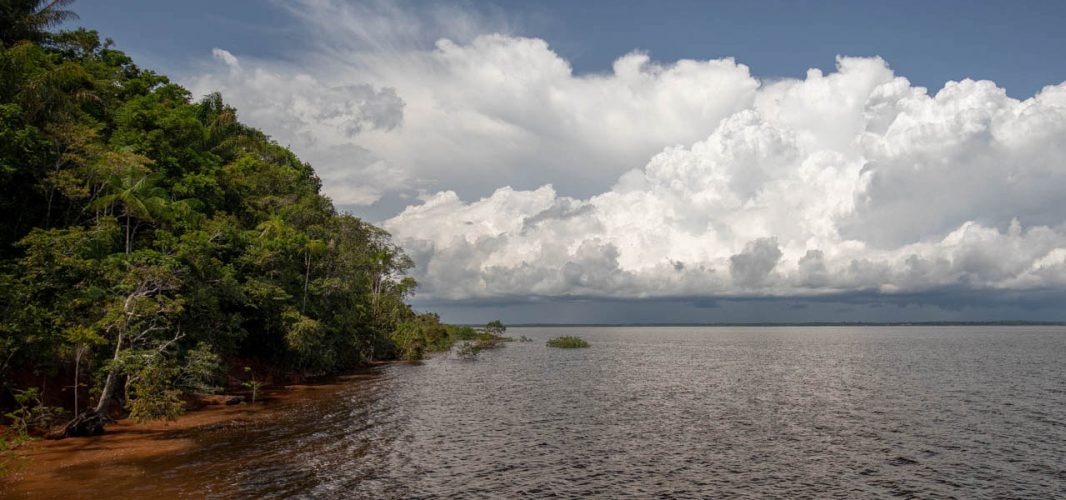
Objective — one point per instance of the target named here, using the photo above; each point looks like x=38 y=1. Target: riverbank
x=60 y=469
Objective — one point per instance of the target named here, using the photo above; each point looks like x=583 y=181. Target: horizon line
x=785 y=324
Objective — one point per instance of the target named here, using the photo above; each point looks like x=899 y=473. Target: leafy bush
x=469 y=350
x=462 y=332
x=152 y=394
x=495 y=328
x=156 y=379
x=10 y=460
x=424 y=333
x=568 y=342
x=202 y=371
x=31 y=414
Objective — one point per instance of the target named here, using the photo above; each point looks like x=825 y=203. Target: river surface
x=929 y=412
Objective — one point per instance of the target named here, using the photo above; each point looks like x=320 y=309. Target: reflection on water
x=678 y=412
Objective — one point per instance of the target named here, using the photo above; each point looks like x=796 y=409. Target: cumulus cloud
x=850 y=181
x=468 y=112
x=318 y=119
x=691 y=178
x=753 y=265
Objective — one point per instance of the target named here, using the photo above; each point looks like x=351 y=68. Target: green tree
x=29 y=20
x=495 y=327
x=139 y=317
x=136 y=192
x=153 y=241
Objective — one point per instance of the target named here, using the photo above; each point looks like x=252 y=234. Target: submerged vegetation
x=472 y=341
x=568 y=342
x=154 y=243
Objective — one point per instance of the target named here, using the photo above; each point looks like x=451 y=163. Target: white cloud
x=852 y=180
x=317 y=119
x=471 y=116
x=848 y=181
x=226 y=57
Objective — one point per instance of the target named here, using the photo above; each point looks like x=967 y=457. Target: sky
x=678 y=161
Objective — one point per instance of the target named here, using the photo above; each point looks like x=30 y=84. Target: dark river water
x=942 y=412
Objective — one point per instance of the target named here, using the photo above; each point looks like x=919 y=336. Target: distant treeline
x=152 y=243
x=815 y=323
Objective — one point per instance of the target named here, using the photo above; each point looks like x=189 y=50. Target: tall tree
x=141 y=199
x=29 y=20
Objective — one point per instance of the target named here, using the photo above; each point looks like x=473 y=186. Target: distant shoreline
x=813 y=323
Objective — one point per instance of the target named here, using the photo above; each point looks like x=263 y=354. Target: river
x=745 y=412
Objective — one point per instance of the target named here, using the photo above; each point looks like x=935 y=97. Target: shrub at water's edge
x=473 y=341
x=568 y=342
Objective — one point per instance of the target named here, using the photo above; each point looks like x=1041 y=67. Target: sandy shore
x=62 y=468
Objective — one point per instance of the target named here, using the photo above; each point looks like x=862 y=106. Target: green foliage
x=469 y=350
x=201 y=372
x=10 y=460
x=252 y=384
x=461 y=332
x=29 y=414
x=152 y=237
x=495 y=327
x=152 y=395
x=472 y=342
x=421 y=334
x=568 y=342
x=492 y=335
x=27 y=20
x=489 y=341
x=157 y=379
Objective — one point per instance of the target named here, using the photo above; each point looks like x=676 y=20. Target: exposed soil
x=60 y=469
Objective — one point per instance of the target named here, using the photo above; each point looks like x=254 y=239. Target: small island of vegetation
x=568 y=342
x=473 y=341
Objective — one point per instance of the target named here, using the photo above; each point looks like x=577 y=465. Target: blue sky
x=1017 y=44
x=676 y=161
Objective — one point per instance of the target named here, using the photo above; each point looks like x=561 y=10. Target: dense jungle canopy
x=152 y=243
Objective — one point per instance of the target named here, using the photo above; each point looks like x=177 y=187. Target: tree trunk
x=88 y=423
x=48 y=210
x=77 y=373
x=127 y=233
x=307 y=277
x=112 y=380
x=91 y=422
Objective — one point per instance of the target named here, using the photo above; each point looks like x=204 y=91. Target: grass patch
x=568 y=342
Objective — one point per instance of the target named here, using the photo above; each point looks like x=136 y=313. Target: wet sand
x=70 y=468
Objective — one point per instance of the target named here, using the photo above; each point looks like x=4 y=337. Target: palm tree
x=140 y=198
x=275 y=228
x=29 y=19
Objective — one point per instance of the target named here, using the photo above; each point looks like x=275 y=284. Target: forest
x=153 y=246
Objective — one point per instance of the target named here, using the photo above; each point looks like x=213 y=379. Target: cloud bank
x=843 y=182
x=692 y=178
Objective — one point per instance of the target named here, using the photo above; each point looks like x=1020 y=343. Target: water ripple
x=681 y=413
